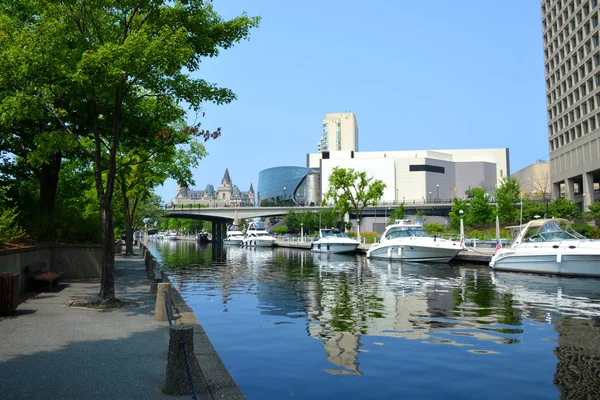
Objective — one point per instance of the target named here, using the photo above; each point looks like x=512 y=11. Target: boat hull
x=585 y=265
x=414 y=252
x=335 y=248
x=254 y=242
x=233 y=242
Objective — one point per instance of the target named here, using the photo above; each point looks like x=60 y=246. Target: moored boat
x=407 y=241
x=550 y=246
x=235 y=236
x=257 y=235
x=333 y=241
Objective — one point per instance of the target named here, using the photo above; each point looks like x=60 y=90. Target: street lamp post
x=430 y=197
x=462 y=228
x=438 y=193
x=302 y=231
x=284 y=194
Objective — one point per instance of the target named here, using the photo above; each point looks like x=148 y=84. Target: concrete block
x=182 y=363
x=160 y=308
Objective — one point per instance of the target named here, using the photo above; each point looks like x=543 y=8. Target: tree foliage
x=507 y=195
x=457 y=206
x=564 y=208
x=93 y=65
x=398 y=213
x=352 y=190
x=481 y=211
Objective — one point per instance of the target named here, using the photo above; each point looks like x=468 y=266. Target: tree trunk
x=48 y=177
x=107 y=282
x=128 y=226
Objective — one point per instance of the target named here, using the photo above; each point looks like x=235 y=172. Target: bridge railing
x=410 y=202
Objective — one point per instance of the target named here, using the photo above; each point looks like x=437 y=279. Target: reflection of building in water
x=342 y=350
x=578 y=354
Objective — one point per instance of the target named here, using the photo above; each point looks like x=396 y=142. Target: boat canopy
x=544 y=230
x=396 y=232
x=257 y=226
x=332 y=233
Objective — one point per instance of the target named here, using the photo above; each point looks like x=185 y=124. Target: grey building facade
x=572 y=69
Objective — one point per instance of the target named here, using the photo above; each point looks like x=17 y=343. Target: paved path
x=49 y=350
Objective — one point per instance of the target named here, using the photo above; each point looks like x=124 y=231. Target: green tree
x=595 y=209
x=398 y=213
x=352 y=190
x=531 y=209
x=104 y=58
x=507 y=197
x=481 y=211
x=564 y=208
x=457 y=206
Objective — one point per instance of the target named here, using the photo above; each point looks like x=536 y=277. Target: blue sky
x=419 y=75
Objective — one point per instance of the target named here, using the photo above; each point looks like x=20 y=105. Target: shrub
x=280 y=230
x=587 y=231
x=368 y=237
x=433 y=228
x=10 y=230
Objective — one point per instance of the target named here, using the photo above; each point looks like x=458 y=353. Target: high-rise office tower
x=340 y=132
x=572 y=65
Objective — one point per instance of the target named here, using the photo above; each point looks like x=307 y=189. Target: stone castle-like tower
x=226 y=194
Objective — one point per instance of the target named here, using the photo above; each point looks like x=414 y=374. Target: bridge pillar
x=218 y=231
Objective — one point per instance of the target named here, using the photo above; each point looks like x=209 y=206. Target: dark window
x=325 y=155
x=427 y=168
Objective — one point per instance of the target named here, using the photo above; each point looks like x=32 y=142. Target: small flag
x=498 y=245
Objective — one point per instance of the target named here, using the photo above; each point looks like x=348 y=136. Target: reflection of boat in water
x=407 y=241
x=234 y=235
x=567 y=296
x=333 y=241
x=333 y=261
x=257 y=235
x=550 y=246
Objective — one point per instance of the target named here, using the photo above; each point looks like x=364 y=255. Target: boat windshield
x=551 y=231
x=395 y=233
x=332 y=233
x=234 y=228
x=257 y=226
x=262 y=234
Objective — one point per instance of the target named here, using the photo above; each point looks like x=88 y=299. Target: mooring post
x=160 y=312
x=150 y=268
x=183 y=374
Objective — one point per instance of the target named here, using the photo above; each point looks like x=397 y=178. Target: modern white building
x=340 y=132
x=420 y=176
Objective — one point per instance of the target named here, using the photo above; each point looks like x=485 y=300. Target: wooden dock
x=480 y=255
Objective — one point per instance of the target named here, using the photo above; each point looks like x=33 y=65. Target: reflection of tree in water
x=578 y=352
x=492 y=306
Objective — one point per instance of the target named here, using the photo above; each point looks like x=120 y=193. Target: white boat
x=549 y=246
x=257 y=235
x=172 y=236
x=333 y=241
x=235 y=236
x=407 y=241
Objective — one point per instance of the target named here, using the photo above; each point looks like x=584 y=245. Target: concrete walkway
x=49 y=350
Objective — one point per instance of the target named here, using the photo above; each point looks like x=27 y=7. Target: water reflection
x=502 y=326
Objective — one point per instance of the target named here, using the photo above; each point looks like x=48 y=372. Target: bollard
x=150 y=269
x=160 y=312
x=182 y=364
x=153 y=287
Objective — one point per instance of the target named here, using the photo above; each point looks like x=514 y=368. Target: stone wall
x=75 y=261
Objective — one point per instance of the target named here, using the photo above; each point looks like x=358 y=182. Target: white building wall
x=382 y=169
x=462 y=168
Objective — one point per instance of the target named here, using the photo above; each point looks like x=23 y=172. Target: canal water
x=288 y=323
